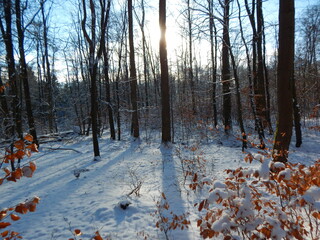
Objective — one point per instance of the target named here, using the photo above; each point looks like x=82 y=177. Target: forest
x=155 y=101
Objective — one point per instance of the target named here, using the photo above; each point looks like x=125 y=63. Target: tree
x=285 y=74
x=214 y=57
x=12 y=74
x=307 y=67
x=311 y=31
x=296 y=114
x=24 y=72
x=165 y=89
x=141 y=23
x=251 y=73
x=120 y=36
x=48 y=75
x=95 y=53
x=225 y=71
x=261 y=80
x=4 y=109
x=238 y=99
x=105 y=47
x=133 y=76
x=190 y=67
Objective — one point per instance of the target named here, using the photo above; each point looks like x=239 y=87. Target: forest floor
x=78 y=193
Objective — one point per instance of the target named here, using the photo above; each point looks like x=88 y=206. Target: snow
x=312 y=195
x=216 y=194
x=278 y=165
x=286 y=174
x=218 y=184
x=79 y=193
x=221 y=224
x=264 y=169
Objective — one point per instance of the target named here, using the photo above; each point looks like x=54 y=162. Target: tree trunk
x=226 y=75
x=108 y=98
x=93 y=70
x=190 y=69
x=106 y=75
x=51 y=115
x=165 y=89
x=144 y=56
x=4 y=109
x=267 y=88
x=238 y=99
x=94 y=108
x=252 y=73
x=133 y=76
x=296 y=115
x=24 y=73
x=213 y=50
x=260 y=92
x=285 y=80
x=12 y=74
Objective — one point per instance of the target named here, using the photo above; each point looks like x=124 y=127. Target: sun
x=173 y=38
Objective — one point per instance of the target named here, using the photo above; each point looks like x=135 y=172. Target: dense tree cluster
x=105 y=72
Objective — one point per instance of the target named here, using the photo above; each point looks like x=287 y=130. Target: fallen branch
x=60 y=148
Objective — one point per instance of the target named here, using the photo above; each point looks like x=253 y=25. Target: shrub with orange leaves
x=168 y=220
x=97 y=236
x=193 y=168
x=18 y=151
x=277 y=201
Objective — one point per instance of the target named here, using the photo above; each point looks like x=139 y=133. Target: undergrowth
x=277 y=201
x=14 y=170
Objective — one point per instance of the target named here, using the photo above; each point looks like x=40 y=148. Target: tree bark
x=238 y=100
x=226 y=74
x=285 y=80
x=24 y=73
x=93 y=68
x=50 y=87
x=165 y=89
x=254 y=72
x=106 y=72
x=133 y=76
x=121 y=41
x=4 y=109
x=12 y=74
x=190 y=69
x=144 y=56
x=260 y=93
x=213 y=51
x=296 y=115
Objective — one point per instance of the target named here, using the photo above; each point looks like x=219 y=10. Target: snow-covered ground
x=78 y=193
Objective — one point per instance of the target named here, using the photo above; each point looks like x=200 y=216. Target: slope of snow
x=79 y=193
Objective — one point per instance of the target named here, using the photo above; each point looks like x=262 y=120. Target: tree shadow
x=171 y=188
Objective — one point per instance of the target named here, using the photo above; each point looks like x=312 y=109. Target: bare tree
x=225 y=71
x=260 y=83
x=105 y=46
x=165 y=89
x=95 y=53
x=214 y=58
x=12 y=74
x=49 y=79
x=238 y=99
x=296 y=114
x=285 y=80
x=4 y=109
x=307 y=67
x=141 y=22
x=133 y=76
x=23 y=70
x=250 y=66
x=190 y=45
